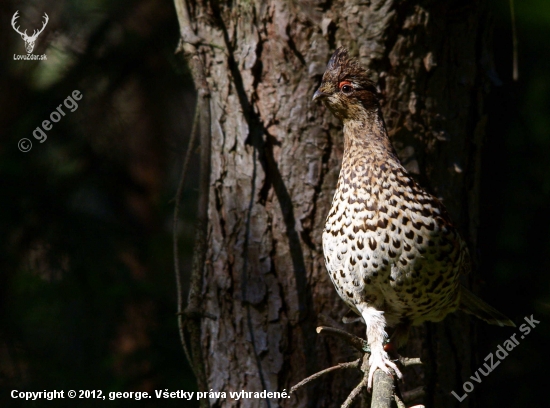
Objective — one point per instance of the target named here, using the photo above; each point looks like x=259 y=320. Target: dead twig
x=351 y=364
x=406 y=361
x=194 y=303
x=177 y=199
x=384 y=391
x=362 y=384
x=399 y=402
x=354 y=341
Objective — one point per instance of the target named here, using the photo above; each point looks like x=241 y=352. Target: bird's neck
x=366 y=142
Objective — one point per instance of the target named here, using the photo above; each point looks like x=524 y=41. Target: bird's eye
x=347 y=89
x=345 y=86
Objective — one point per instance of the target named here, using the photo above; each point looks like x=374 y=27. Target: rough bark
x=275 y=162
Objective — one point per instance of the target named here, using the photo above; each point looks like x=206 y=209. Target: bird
x=390 y=247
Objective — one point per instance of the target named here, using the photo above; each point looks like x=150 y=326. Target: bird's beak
x=319 y=95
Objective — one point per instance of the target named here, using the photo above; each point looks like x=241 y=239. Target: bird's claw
x=381 y=360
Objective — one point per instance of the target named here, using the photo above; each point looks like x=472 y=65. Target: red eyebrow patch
x=341 y=84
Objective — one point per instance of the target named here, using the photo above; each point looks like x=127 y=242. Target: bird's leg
x=376 y=336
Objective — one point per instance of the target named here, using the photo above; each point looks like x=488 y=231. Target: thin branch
x=194 y=304
x=349 y=338
x=355 y=392
x=175 y=242
x=325 y=320
x=399 y=402
x=362 y=384
x=406 y=361
x=351 y=364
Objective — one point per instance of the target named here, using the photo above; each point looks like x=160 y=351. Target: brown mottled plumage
x=390 y=248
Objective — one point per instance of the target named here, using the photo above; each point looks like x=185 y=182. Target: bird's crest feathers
x=342 y=66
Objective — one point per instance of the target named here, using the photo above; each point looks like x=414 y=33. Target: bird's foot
x=379 y=360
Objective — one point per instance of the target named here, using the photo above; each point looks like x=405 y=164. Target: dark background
x=87 y=293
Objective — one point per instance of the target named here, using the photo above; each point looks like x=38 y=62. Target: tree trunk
x=275 y=162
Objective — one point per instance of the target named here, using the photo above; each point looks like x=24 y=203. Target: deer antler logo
x=29 y=40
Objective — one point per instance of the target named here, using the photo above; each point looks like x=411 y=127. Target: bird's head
x=346 y=88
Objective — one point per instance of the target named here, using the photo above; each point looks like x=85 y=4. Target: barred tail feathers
x=473 y=305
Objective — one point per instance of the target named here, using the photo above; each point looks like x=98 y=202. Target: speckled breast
x=388 y=244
